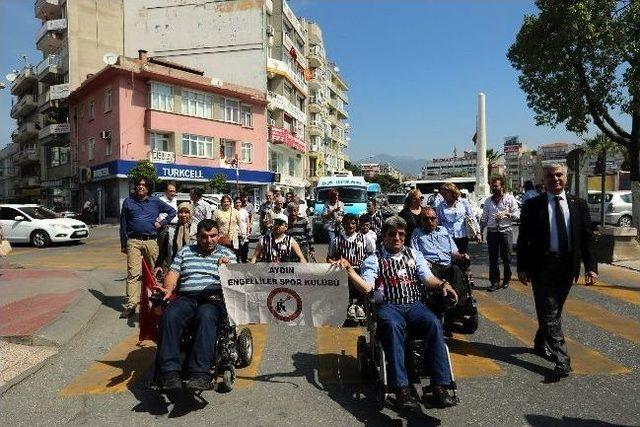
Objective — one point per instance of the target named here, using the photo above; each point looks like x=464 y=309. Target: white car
x=39 y=226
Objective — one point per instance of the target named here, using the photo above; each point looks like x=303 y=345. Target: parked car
x=396 y=201
x=617 y=207
x=64 y=211
x=39 y=226
x=212 y=199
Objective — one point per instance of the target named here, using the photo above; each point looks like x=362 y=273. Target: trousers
x=499 y=244
x=551 y=284
x=204 y=318
x=394 y=322
x=136 y=249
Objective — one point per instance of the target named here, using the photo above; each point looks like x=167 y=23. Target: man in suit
x=555 y=236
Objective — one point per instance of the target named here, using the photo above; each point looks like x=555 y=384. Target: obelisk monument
x=482 y=185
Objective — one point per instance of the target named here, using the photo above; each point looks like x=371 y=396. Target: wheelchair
x=234 y=350
x=372 y=363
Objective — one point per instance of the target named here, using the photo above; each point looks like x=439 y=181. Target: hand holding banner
x=289 y=293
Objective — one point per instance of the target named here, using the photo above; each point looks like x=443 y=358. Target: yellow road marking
x=337 y=354
x=245 y=377
x=592 y=313
x=583 y=359
x=468 y=362
x=121 y=367
x=620 y=273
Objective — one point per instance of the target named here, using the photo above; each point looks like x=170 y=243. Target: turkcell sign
x=173 y=172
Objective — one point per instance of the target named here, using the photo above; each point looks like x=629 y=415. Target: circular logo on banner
x=284 y=304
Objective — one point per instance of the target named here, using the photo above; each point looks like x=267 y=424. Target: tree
x=218 y=184
x=388 y=183
x=145 y=169
x=492 y=159
x=355 y=169
x=579 y=63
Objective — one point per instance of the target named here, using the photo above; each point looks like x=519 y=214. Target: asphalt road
x=307 y=376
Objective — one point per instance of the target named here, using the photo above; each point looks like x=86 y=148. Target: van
x=353 y=193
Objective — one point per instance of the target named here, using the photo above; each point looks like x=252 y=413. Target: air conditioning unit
x=272 y=122
x=276 y=177
x=270 y=30
x=85 y=175
x=105 y=134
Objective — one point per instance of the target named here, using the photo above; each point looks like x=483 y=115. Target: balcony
x=47 y=9
x=316 y=127
x=276 y=67
x=317 y=80
x=49 y=69
x=338 y=91
x=283 y=136
x=27 y=156
x=315 y=34
x=316 y=56
x=24 y=106
x=53 y=132
x=280 y=102
x=157 y=156
x=23 y=81
x=289 y=44
x=25 y=132
x=51 y=35
x=53 y=97
x=317 y=104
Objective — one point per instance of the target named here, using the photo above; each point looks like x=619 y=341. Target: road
x=308 y=376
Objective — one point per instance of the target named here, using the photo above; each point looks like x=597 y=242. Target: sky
x=414 y=68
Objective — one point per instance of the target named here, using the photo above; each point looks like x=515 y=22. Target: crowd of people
x=395 y=260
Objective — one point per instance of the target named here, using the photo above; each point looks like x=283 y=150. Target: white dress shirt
x=554 y=243
x=174 y=204
x=506 y=204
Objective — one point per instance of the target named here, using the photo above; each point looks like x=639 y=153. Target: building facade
x=9 y=159
x=555 y=152
x=174 y=116
x=369 y=170
x=447 y=167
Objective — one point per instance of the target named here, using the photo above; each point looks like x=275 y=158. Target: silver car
x=617 y=207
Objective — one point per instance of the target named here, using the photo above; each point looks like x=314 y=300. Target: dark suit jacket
x=535 y=236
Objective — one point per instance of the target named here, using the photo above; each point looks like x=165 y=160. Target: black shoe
x=128 y=312
x=505 y=284
x=493 y=287
x=441 y=397
x=199 y=382
x=404 y=399
x=171 y=381
x=543 y=352
x=560 y=371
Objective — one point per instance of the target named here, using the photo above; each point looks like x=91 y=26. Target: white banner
x=285 y=293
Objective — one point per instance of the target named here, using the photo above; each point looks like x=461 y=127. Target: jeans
x=204 y=318
x=499 y=245
x=394 y=321
x=331 y=234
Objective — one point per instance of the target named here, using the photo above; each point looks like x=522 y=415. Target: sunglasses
x=429 y=218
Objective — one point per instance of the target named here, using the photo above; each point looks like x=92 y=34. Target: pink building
x=190 y=126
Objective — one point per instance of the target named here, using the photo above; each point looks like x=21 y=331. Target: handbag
x=5 y=248
x=225 y=239
x=470 y=228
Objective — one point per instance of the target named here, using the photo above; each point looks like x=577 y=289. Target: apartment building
x=9 y=157
x=74 y=37
x=369 y=170
x=513 y=150
x=191 y=128
x=454 y=166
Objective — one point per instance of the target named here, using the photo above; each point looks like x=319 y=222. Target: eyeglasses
x=429 y=218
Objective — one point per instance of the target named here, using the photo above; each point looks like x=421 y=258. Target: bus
x=353 y=193
x=427 y=186
x=373 y=190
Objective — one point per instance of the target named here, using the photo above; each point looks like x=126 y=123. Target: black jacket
x=534 y=237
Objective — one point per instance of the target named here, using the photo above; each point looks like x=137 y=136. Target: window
x=8 y=214
x=158 y=142
x=107 y=147
x=227 y=149
x=231 y=109
x=274 y=160
x=197 y=146
x=246 y=152
x=91 y=147
x=81 y=108
x=108 y=101
x=291 y=163
x=92 y=109
x=59 y=156
x=245 y=115
x=161 y=97
x=197 y=104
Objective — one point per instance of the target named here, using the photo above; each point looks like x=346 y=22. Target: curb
x=59 y=332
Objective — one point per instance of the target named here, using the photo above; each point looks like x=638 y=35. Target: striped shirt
x=276 y=250
x=301 y=232
x=198 y=273
x=376 y=222
x=354 y=248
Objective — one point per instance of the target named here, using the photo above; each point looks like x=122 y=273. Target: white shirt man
x=554 y=243
x=169 y=197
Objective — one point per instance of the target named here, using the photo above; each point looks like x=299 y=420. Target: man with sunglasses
x=140 y=222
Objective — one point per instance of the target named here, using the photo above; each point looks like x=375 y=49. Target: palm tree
x=492 y=159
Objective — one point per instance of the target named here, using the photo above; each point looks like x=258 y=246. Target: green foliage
x=355 y=169
x=218 y=184
x=145 y=169
x=388 y=183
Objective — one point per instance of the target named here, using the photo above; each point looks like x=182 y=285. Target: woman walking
x=245 y=230
x=228 y=220
x=411 y=213
x=185 y=234
x=454 y=214
x=332 y=214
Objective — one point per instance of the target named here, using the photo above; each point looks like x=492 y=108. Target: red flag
x=149 y=316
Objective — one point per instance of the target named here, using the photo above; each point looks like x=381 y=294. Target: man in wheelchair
x=193 y=276
x=397 y=276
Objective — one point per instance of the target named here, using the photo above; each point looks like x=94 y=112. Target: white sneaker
x=359 y=312
x=351 y=311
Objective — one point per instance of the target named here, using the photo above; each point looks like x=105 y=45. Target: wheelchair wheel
x=228 y=380
x=380 y=396
x=364 y=363
x=244 y=347
x=470 y=325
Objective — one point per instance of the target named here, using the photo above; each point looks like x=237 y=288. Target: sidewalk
x=631 y=265
x=41 y=310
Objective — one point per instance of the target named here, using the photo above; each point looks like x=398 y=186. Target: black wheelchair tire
x=244 y=347
x=470 y=325
x=380 y=396
x=228 y=380
x=364 y=364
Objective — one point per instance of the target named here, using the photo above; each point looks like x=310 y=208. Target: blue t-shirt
x=198 y=273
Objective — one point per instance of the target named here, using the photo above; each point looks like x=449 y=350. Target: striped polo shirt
x=199 y=273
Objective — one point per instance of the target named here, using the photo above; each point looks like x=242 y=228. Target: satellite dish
x=336 y=69
x=110 y=58
x=11 y=76
x=216 y=82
